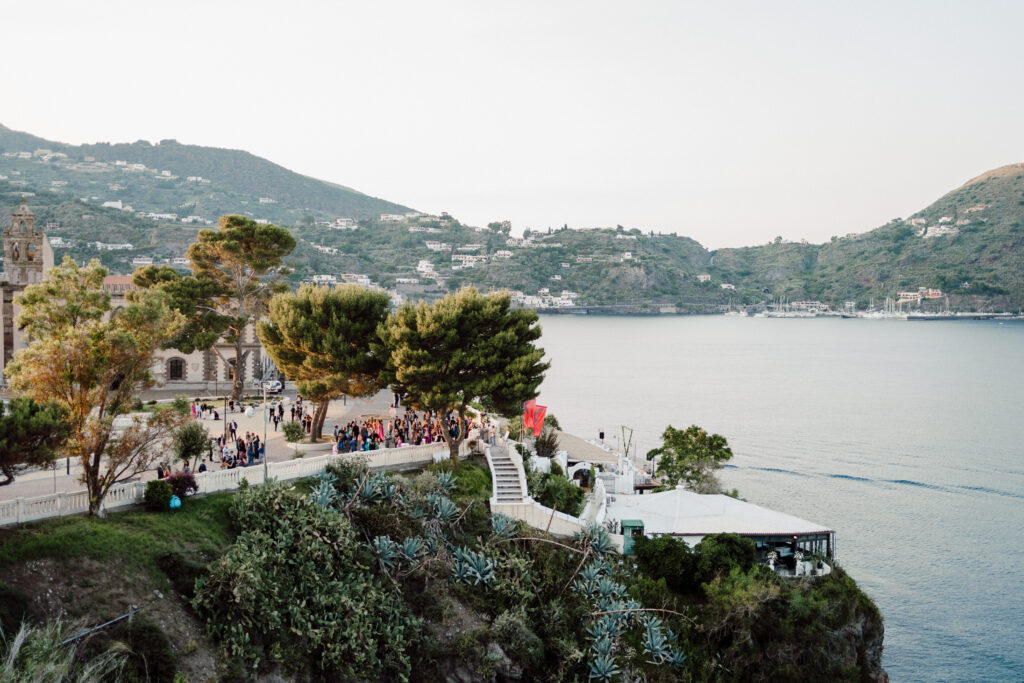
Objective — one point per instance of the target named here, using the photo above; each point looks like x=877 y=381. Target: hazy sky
x=731 y=122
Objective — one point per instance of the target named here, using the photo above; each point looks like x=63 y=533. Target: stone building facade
x=27 y=257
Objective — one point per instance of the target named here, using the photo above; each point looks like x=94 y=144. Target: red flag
x=538 y=418
x=533 y=416
x=528 y=414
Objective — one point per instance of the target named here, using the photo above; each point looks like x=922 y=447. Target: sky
x=729 y=122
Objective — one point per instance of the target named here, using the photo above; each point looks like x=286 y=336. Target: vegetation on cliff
x=360 y=575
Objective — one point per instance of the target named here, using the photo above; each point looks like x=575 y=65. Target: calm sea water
x=905 y=437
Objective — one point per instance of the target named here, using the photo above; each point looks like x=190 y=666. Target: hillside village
x=117 y=205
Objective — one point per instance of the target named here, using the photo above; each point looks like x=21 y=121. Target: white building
x=437 y=246
x=117 y=204
x=267 y=200
x=325 y=280
x=728 y=286
x=392 y=218
x=142 y=261
x=703 y=277
x=502 y=254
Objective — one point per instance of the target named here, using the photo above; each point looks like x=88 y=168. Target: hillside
x=352 y=576
x=188 y=180
x=968 y=244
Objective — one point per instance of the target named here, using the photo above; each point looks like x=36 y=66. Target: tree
x=92 y=364
x=29 y=433
x=321 y=339
x=464 y=347
x=691 y=456
x=191 y=441
x=235 y=271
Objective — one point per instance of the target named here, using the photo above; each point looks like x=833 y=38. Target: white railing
x=60 y=504
x=596 y=509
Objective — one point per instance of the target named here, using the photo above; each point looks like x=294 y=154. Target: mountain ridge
x=969 y=243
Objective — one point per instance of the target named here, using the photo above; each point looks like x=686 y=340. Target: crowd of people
x=408 y=429
x=395 y=430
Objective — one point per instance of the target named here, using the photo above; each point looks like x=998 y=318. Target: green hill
x=968 y=243
x=222 y=180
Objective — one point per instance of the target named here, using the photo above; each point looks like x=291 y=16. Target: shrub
x=553 y=490
x=293 y=432
x=191 y=441
x=546 y=444
x=181 y=404
x=15 y=608
x=321 y=605
x=158 y=494
x=720 y=553
x=181 y=571
x=511 y=630
x=183 y=484
x=151 y=657
x=667 y=558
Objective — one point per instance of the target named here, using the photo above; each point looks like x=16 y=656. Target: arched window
x=30 y=253
x=175 y=369
x=17 y=252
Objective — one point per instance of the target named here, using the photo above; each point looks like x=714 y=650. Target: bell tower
x=27 y=252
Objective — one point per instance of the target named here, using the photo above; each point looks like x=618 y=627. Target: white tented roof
x=687 y=513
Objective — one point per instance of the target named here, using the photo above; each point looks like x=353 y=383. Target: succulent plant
x=603 y=668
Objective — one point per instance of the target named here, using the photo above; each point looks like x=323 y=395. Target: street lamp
x=266 y=452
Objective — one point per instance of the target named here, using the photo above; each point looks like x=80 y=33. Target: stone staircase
x=506 y=473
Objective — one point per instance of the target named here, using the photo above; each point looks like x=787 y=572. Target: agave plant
x=502 y=526
x=603 y=668
x=387 y=551
x=586 y=586
x=609 y=587
x=413 y=548
x=677 y=659
x=324 y=495
x=592 y=571
x=446 y=480
x=655 y=642
x=431 y=545
x=445 y=510
x=603 y=647
x=473 y=567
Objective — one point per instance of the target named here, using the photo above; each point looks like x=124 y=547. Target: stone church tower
x=27 y=255
x=27 y=252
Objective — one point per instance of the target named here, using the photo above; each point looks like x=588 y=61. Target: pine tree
x=235 y=272
x=321 y=338
x=462 y=348
x=29 y=433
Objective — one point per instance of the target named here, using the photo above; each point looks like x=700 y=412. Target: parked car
x=272 y=386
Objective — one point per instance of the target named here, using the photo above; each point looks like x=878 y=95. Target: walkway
x=46 y=482
x=508 y=477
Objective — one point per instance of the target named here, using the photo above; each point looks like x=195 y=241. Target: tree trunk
x=90 y=477
x=318 y=420
x=236 y=379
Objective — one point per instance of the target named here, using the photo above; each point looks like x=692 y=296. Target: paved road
x=43 y=483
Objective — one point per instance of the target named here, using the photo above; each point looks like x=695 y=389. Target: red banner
x=533 y=416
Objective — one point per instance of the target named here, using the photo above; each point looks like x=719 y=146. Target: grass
x=472 y=478
x=133 y=538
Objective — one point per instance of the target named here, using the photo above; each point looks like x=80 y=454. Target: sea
x=905 y=437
